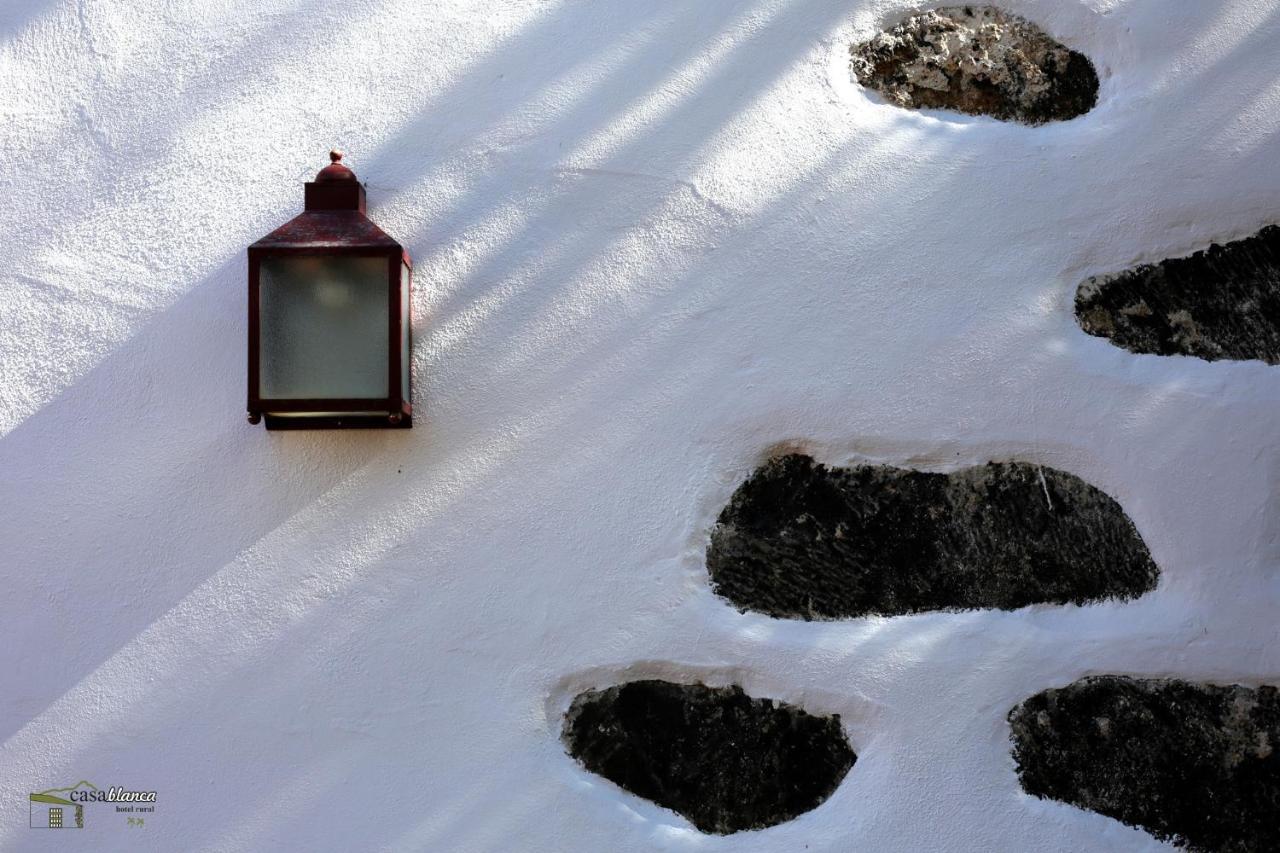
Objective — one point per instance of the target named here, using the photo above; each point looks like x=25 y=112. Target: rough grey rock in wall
x=724 y=760
x=803 y=541
x=1193 y=763
x=1221 y=303
x=979 y=60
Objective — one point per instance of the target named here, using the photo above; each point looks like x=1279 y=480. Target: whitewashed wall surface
x=656 y=244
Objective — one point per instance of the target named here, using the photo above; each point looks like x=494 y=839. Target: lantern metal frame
x=334 y=224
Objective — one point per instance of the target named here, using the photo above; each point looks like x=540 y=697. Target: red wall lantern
x=329 y=316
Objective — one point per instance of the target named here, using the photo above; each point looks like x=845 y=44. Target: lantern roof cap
x=329 y=229
x=335 y=171
x=333 y=218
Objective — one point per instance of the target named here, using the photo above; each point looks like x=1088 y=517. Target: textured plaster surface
x=727 y=761
x=979 y=60
x=653 y=242
x=803 y=541
x=1194 y=763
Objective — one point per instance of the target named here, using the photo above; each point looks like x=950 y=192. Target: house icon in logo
x=54 y=808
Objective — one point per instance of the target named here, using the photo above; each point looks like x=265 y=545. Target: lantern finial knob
x=335 y=171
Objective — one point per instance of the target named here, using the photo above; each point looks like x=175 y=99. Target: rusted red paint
x=335 y=171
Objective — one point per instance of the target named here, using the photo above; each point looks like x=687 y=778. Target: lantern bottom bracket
x=345 y=421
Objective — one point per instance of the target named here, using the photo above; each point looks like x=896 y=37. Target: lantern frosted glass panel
x=324 y=327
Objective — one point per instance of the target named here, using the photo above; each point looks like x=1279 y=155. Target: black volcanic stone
x=1196 y=764
x=1220 y=303
x=799 y=540
x=724 y=760
x=979 y=60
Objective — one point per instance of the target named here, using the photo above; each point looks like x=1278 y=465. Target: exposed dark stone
x=979 y=60
x=803 y=541
x=724 y=760
x=1192 y=763
x=1221 y=303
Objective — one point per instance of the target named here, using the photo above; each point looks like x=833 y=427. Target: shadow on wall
x=153 y=459
x=142 y=443
x=14 y=17
x=148 y=465
x=174 y=457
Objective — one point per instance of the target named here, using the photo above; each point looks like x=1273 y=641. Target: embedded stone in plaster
x=1219 y=303
x=799 y=540
x=1196 y=764
x=978 y=60
x=724 y=760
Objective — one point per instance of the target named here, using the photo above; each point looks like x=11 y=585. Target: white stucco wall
x=653 y=241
